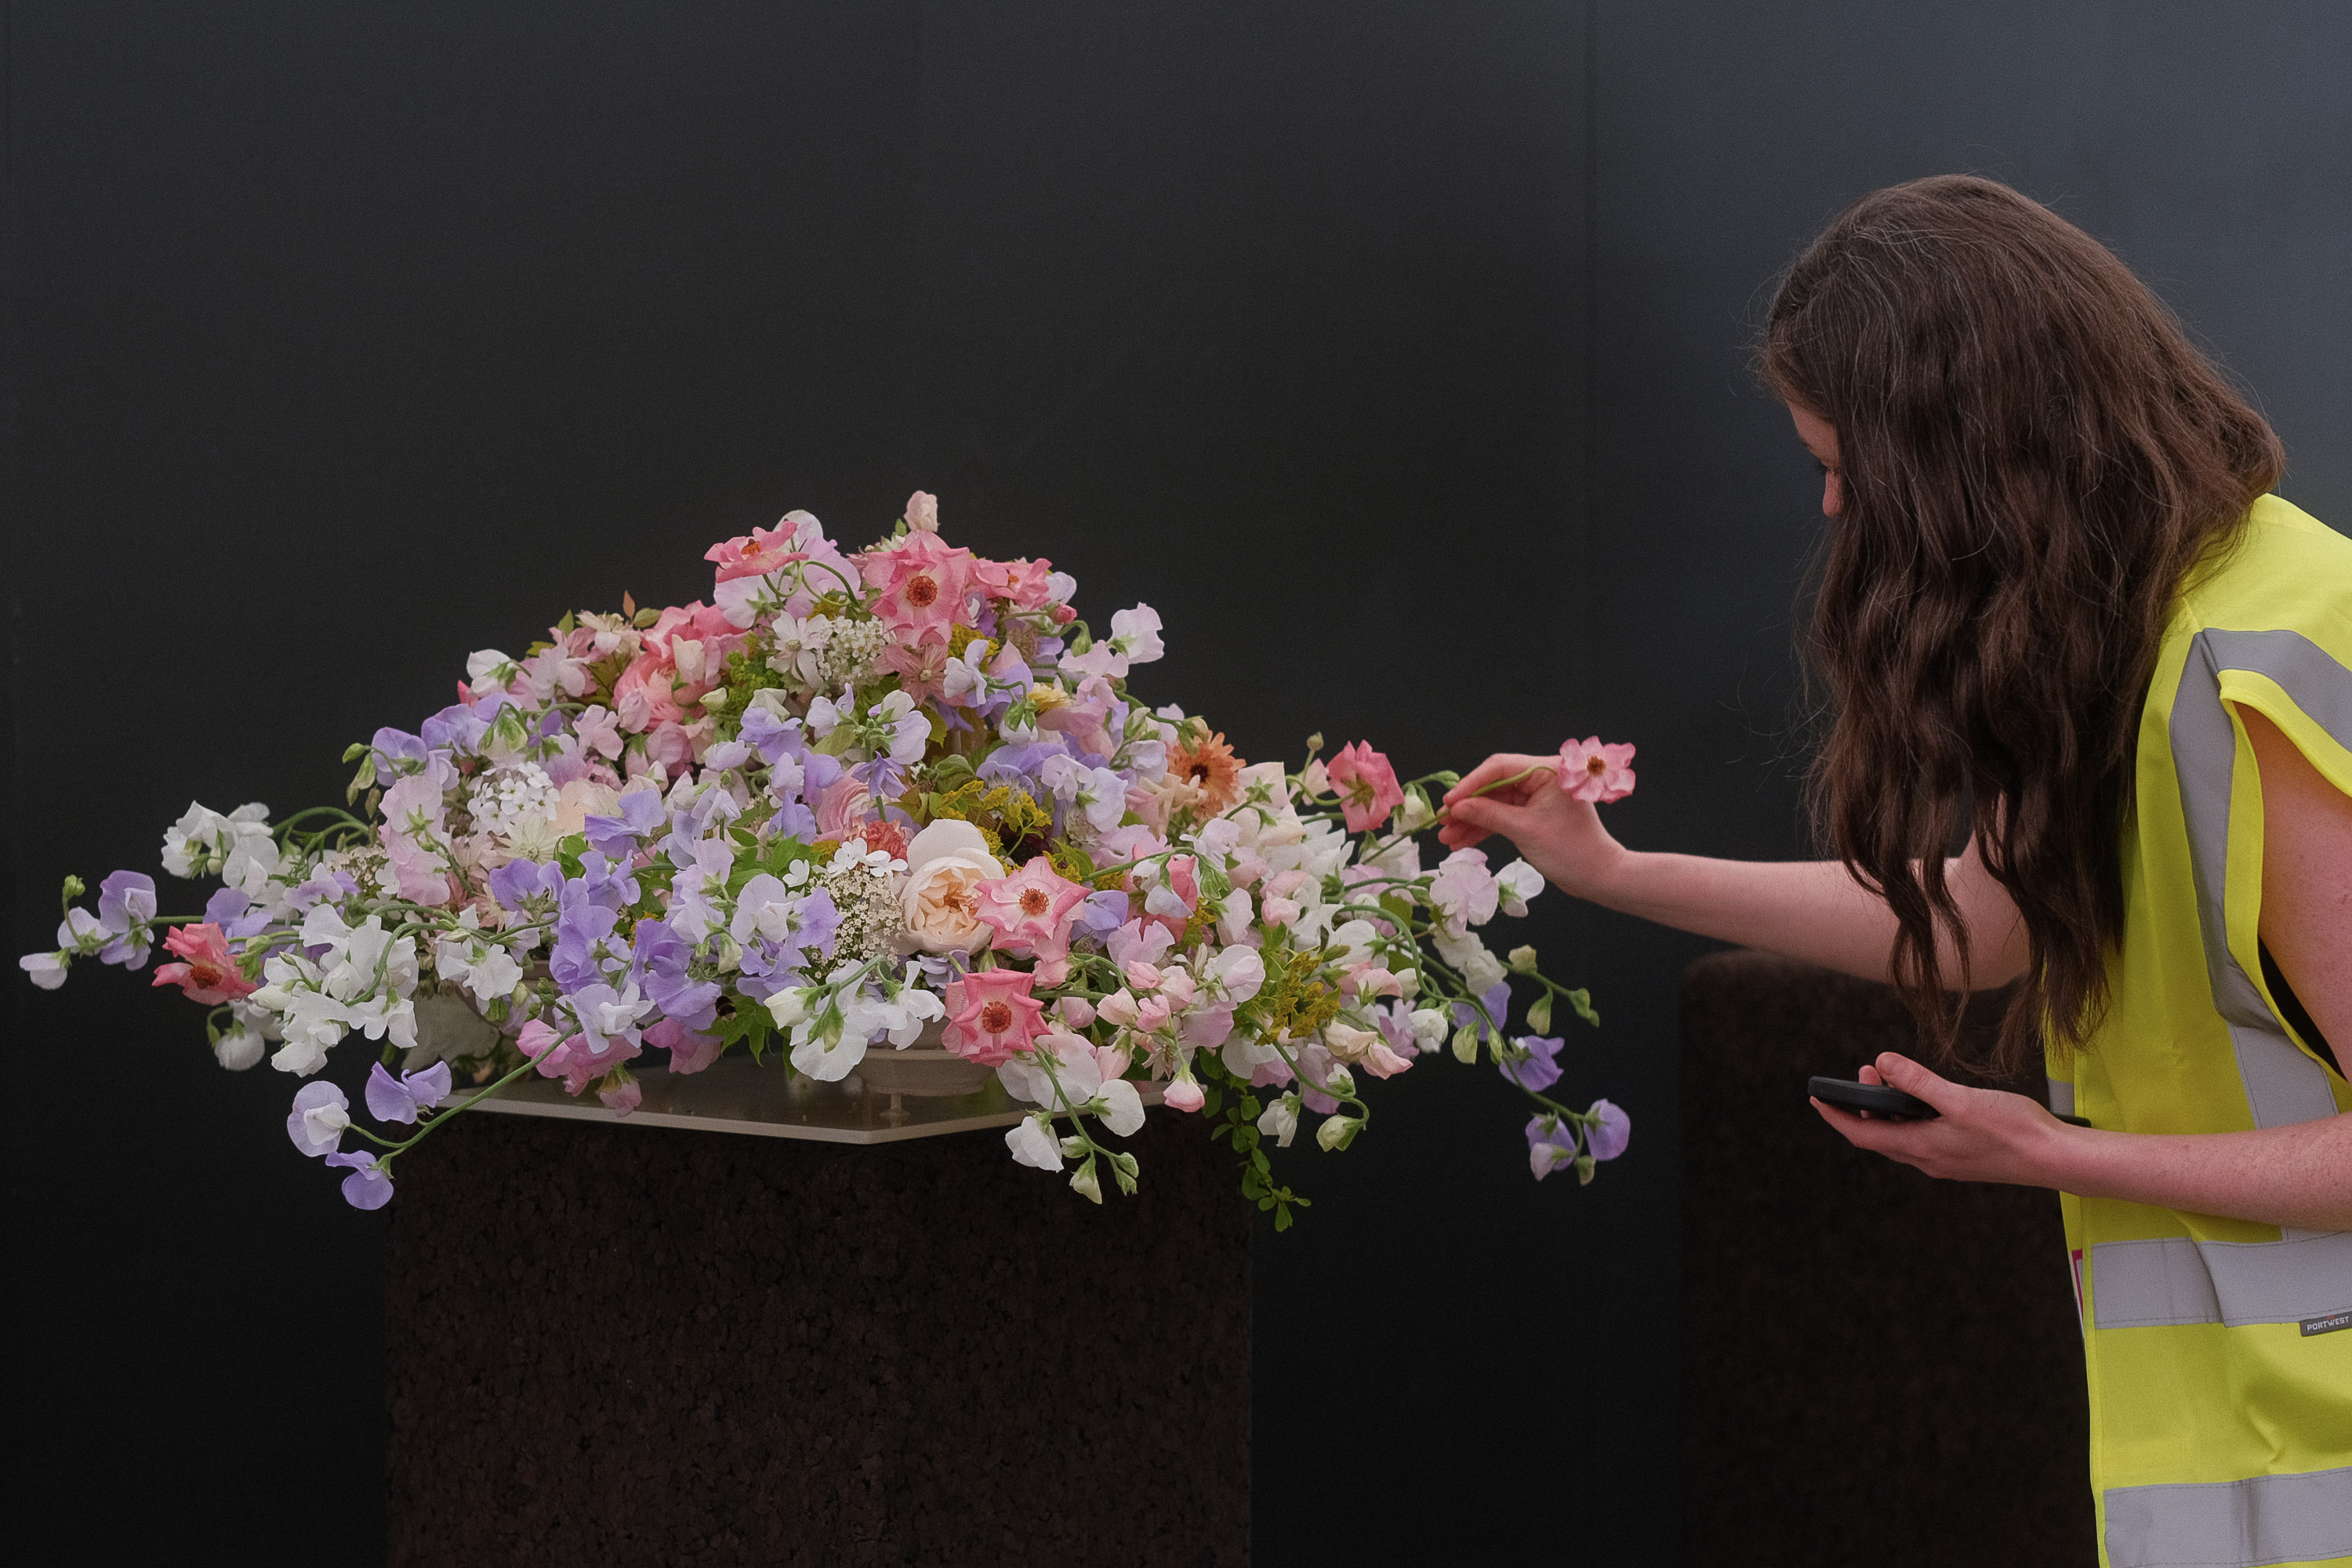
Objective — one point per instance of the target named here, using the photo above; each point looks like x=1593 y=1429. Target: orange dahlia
x=1210 y=766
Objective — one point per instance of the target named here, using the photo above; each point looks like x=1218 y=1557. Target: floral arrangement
x=852 y=799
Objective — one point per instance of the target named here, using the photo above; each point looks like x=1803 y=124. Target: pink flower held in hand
x=1367 y=786
x=756 y=553
x=1031 y=909
x=210 y=975
x=991 y=1016
x=1590 y=771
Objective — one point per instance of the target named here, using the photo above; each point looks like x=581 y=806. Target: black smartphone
x=1872 y=1097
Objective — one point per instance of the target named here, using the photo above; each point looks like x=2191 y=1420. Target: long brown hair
x=2034 y=455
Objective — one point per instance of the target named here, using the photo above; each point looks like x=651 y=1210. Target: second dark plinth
x=627 y=1345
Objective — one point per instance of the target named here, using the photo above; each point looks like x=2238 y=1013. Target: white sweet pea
x=1120 y=1106
x=1136 y=634
x=1237 y=974
x=47 y=970
x=489 y=671
x=967 y=675
x=1429 y=1026
x=824 y=715
x=1280 y=1121
x=1479 y=968
x=238 y=1048
x=1233 y=916
x=1515 y=884
x=831 y=1056
x=1033 y=1142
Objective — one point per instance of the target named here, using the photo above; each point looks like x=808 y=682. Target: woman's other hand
x=1559 y=835
x=1978 y=1135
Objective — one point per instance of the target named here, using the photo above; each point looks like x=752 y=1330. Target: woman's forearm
x=1809 y=909
x=2295 y=1177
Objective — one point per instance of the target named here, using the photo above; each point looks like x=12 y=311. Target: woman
x=2063 y=621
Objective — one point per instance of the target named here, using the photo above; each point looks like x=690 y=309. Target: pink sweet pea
x=755 y=554
x=991 y=1015
x=210 y=975
x=1367 y=785
x=1031 y=909
x=1590 y=771
x=921 y=585
x=689 y=1052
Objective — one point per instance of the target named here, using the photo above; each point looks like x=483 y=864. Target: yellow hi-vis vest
x=2219 y=1350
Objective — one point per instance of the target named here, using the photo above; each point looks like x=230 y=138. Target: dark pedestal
x=620 y=1345
x=1879 y=1368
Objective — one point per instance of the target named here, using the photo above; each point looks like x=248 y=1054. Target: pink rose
x=844 y=807
x=991 y=1016
x=921 y=585
x=1030 y=910
x=1591 y=771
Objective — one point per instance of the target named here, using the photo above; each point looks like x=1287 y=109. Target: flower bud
x=1336 y=1133
x=1085 y=1183
x=1523 y=959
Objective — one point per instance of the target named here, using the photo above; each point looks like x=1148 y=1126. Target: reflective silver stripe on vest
x=2061 y=1097
x=2173 y=1280
x=2282 y=1085
x=2231 y=1524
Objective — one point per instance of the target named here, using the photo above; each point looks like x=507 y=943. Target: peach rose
x=944 y=863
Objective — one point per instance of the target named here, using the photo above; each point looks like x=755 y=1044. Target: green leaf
x=1282 y=1218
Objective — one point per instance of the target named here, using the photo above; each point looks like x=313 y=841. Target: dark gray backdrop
x=1395 y=353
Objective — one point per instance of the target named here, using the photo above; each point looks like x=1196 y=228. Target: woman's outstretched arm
x=1809 y=909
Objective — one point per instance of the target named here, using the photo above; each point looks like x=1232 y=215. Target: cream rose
x=944 y=862
x=580 y=800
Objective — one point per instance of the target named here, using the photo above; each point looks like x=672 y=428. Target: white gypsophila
x=849 y=652
x=518 y=800
x=868 y=904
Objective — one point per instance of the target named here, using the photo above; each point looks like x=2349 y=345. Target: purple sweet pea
x=1537 y=1070
x=1608 y=1140
x=600 y=881
x=231 y=910
x=725 y=755
x=126 y=904
x=321 y=1114
x=397 y=746
x=1551 y=1143
x=1104 y=913
x=1491 y=1012
x=401 y=1099
x=641 y=812
x=583 y=956
x=770 y=736
x=366 y=1187
x=660 y=966
x=455 y=728
x=324 y=886
x=519 y=884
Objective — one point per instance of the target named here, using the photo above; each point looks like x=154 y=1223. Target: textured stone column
x=621 y=1345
